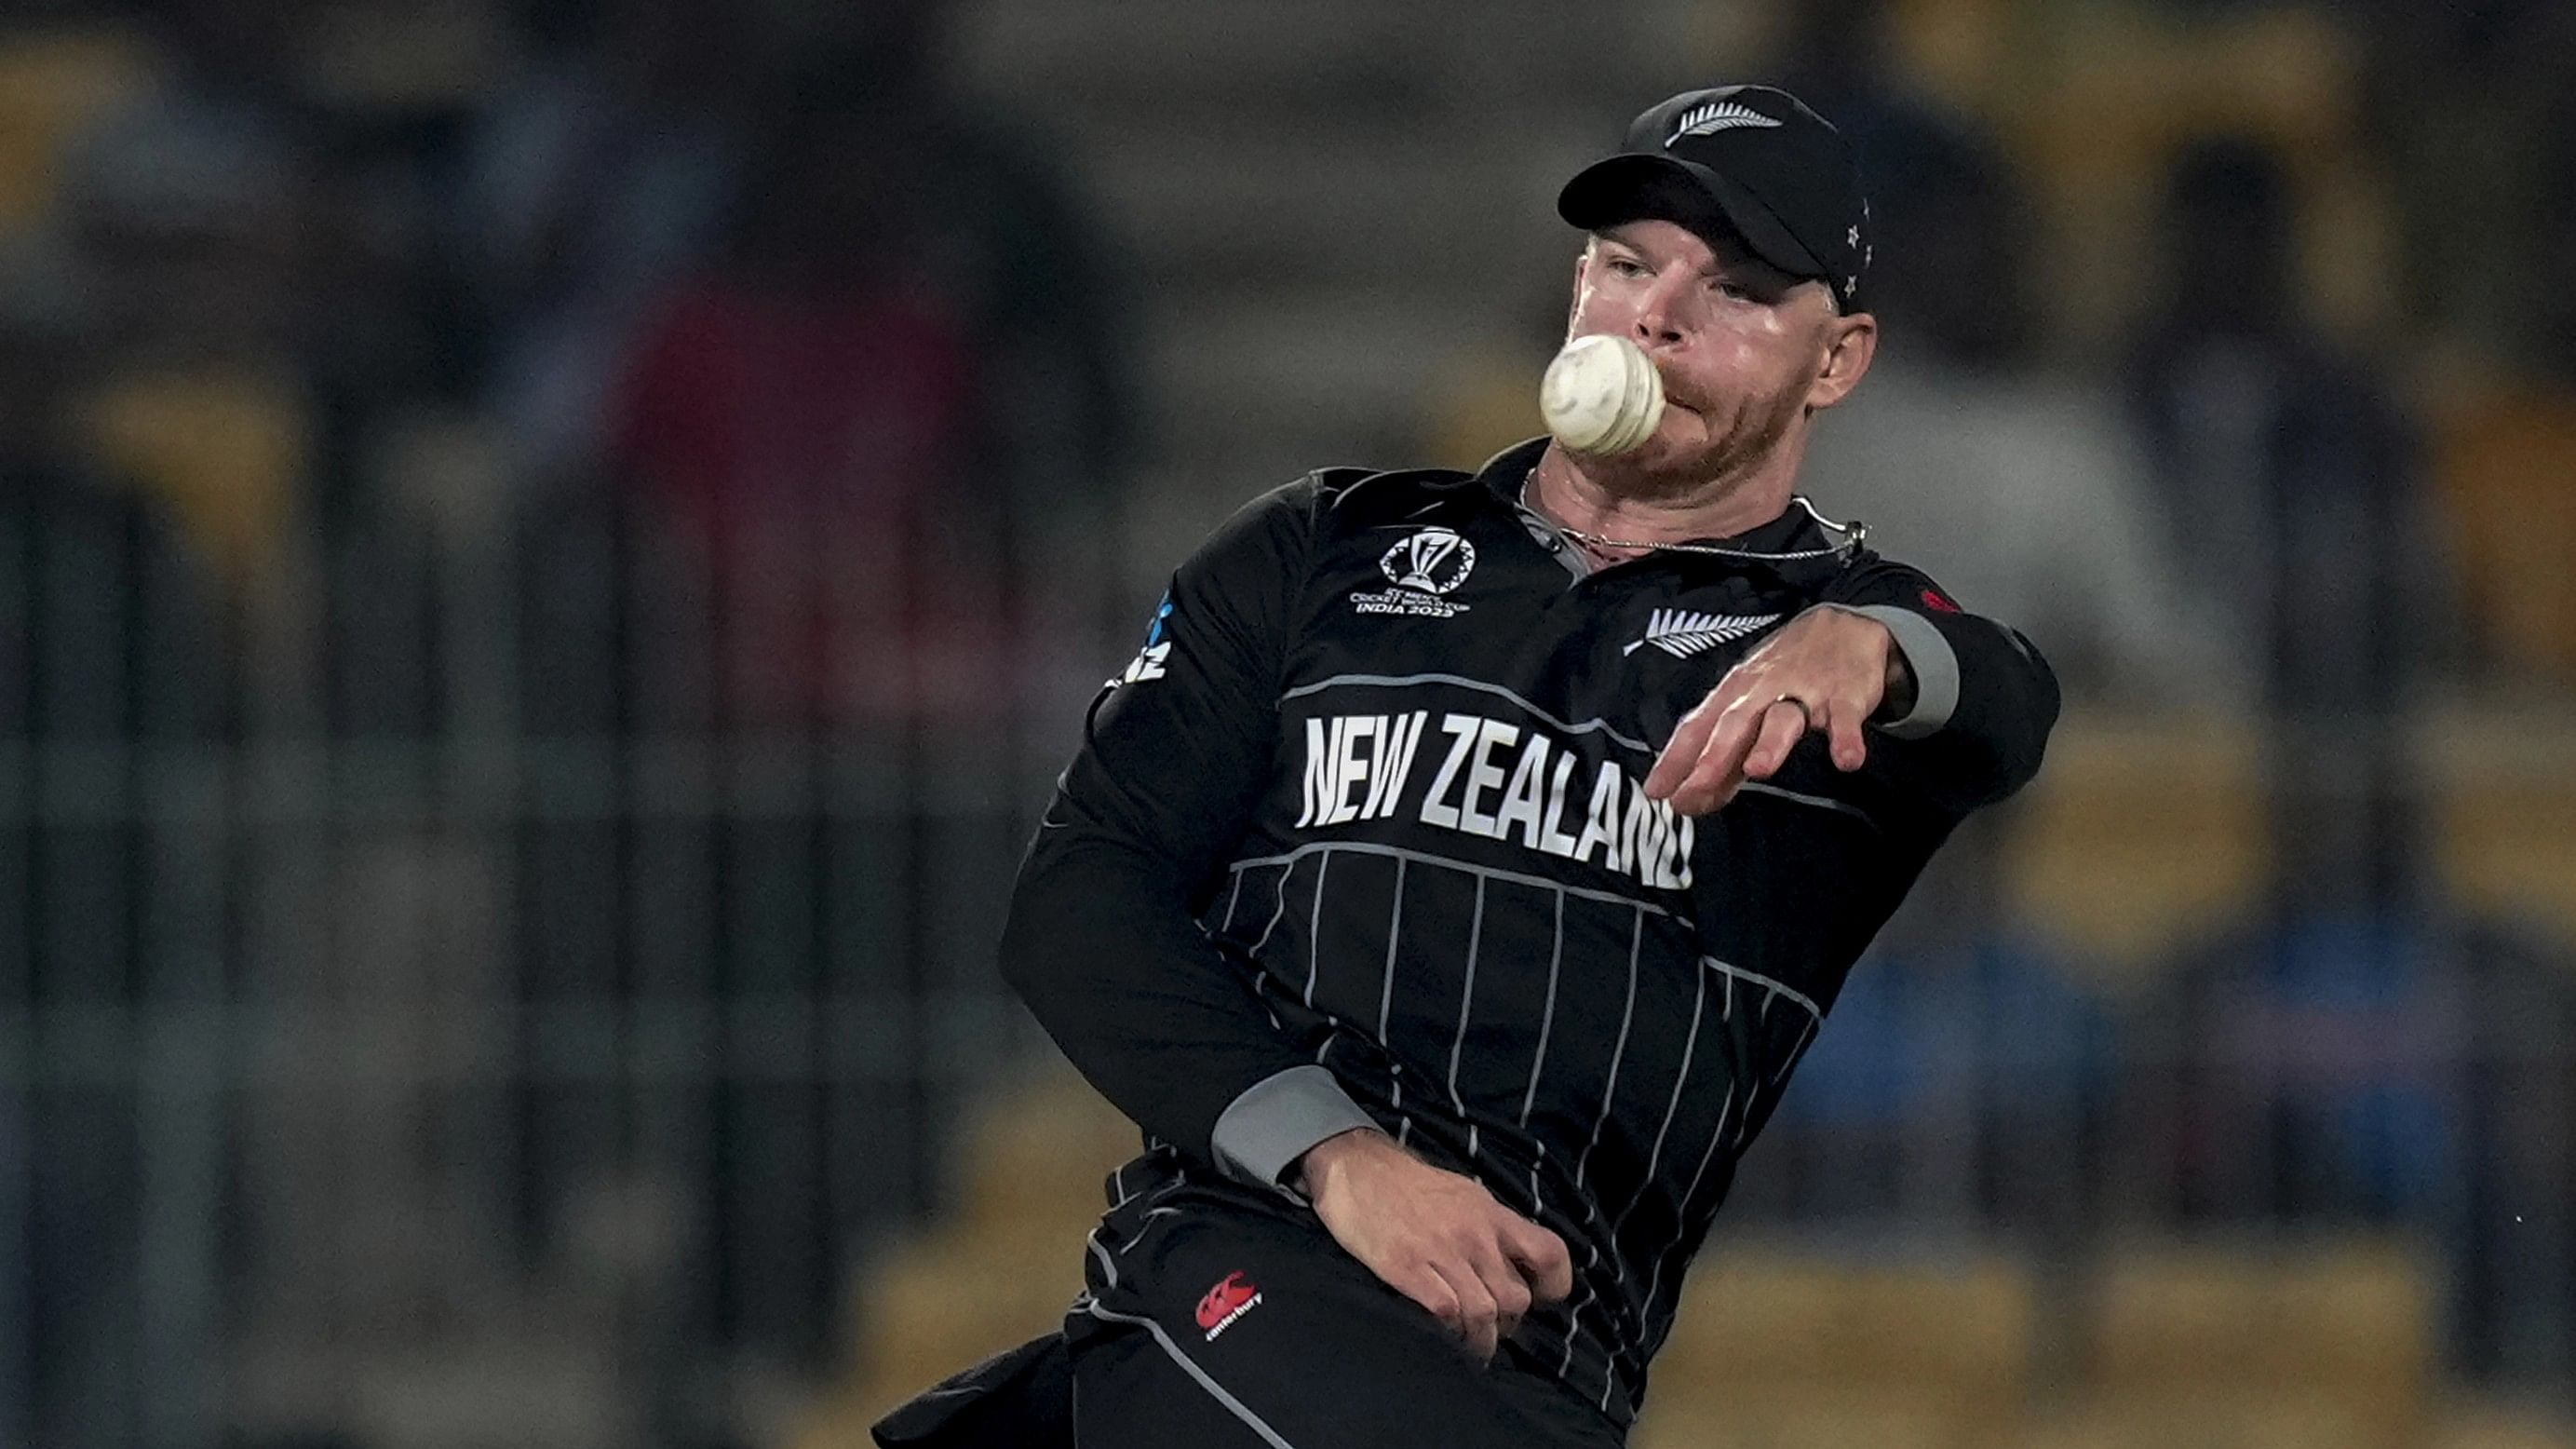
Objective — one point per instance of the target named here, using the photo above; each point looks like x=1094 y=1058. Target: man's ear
x=1850 y=345
x=1574 y=300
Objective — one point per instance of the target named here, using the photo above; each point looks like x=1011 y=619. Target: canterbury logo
x=1682 y=633
x=1715 y=116
x=1229 y=1300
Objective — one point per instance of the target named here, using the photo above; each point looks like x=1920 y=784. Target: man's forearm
x=1972 y=686
x=1998 y=701
x=1314 y=1167
x=1100 y=944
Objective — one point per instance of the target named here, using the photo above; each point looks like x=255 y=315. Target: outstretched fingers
x=1706 y=777
x=1844 y=716
x=1682 y=751
x=1825 y=673
x=1785 y=721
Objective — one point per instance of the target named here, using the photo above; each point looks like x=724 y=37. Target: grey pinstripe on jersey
x=1597 y=1329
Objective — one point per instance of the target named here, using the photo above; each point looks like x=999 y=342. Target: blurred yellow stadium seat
x=369 y=54
x=2503 y=810
x=53 y=83
x=1037 y=1166
x=2122 y=89
x=1000 y=1269
x=2208 y=1420
x=2487 y=1426
x=1811 y=1418
x=2505 y=803
x=2141 y=835
x=224 y=450
x=2349 y=1323
x=1950 y=1339
x=932 y=1307
x=2501 y=464
x=1962 y=51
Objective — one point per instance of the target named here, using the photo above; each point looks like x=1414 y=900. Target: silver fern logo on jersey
x=1716 y=116
x=1682 y=633
x=1423 y=566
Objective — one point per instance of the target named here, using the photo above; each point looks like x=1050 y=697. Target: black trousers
x=1217 y=1319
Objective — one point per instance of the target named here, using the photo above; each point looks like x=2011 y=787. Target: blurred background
x=551 y=549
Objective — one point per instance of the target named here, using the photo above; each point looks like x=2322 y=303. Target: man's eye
x=1622 y=266
x=1735 y=291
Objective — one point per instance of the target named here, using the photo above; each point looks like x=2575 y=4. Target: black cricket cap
x=1749 y=159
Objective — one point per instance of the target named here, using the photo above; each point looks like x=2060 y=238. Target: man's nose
x=1655 y=325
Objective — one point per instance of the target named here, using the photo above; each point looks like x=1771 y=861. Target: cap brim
x=1641 y=185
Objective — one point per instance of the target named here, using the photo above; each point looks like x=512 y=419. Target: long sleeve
x=1984 y=699
x=1102 y=940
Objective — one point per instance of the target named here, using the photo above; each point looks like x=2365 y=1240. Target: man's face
x=1746 y=350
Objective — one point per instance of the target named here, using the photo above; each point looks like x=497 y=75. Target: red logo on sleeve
x=1934 y=599
x=1229 y=1300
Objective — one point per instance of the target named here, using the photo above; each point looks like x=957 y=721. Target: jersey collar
x=1796 y=530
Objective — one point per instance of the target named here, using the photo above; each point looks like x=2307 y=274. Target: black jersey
x=1359 y=838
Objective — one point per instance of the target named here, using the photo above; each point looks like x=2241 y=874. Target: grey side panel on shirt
x=1935 y=666
x=1277 y=1118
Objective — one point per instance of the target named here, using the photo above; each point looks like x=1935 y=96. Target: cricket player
x=1449 y=886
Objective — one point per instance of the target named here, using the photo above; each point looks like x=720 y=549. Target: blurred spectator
x=803 y=412
x=192 y=199
x=2321 y=1057
x=107 y=640
x=2474 y=107
x=1840 y=56
x=2319 y=1073
x=2388 y=1068
x=900 y=372
x=840 y=457
x=2291 y=481
x=586 y=187
x=2017 y=486
x=2514 y=1229
x=1962 y=1079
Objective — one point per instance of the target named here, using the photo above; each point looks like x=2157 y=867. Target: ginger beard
x=1701 y=439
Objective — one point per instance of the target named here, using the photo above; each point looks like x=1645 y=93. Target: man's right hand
x=1434 y=1236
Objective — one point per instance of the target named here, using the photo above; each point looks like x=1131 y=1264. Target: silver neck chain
x=1853 y=534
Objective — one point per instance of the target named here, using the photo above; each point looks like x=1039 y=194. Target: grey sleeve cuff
x=1934 y=664
x=1278 y=1118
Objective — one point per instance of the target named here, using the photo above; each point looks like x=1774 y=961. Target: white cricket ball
x=1601 y=395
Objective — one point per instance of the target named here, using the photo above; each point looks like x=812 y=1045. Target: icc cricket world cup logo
x=1423 y=567
x=1433 y=561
